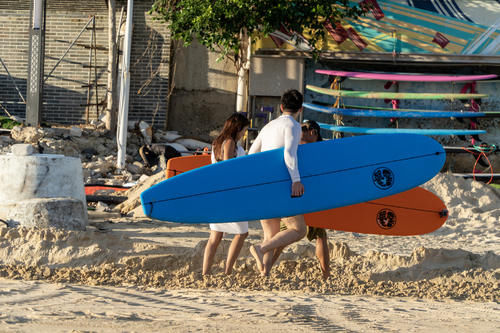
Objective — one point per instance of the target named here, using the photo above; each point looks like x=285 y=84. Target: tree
x=229 y=26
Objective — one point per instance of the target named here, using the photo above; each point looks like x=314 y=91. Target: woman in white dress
x=224 y=147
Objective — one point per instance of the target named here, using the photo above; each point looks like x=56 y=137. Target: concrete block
x=62 y=213
x=39 y=176
x=22 y=149
x=75 y=131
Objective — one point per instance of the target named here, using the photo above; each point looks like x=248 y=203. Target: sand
x=41 y=307
x=135 y=274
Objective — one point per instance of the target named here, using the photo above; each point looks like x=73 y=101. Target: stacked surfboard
x=382 y=112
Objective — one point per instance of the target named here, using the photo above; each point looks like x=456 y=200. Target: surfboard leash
x=482 y=151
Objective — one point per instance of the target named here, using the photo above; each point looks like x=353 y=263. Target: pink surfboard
x=408 y=77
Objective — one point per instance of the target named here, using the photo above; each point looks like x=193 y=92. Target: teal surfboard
x=391 y=114
x=335 y=173
x=424 y=131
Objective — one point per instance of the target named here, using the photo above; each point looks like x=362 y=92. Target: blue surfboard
x=422 y=131
x=391 y=114
x=335 y=173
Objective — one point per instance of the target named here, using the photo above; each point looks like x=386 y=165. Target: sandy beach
x=135 y=274
x=43 y=307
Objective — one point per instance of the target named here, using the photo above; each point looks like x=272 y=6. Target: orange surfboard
x=177 y=165
x=414 y=212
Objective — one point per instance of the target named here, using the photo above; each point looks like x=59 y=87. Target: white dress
x=231 y=227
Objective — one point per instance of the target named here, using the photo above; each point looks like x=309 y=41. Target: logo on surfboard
x=386 y=218
x=383 y=178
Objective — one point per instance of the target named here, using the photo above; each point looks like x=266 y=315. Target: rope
x=482 y=151
x=338 y=102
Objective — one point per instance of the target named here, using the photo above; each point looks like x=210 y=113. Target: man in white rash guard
x=284 y=132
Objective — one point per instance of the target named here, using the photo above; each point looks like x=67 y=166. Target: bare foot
x=255 y=251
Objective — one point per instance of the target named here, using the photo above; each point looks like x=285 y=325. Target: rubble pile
x=97 y=149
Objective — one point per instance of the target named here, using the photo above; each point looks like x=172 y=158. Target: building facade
x=67 y=92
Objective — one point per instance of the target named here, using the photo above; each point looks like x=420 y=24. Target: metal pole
x=124 y=90
x=67 y=50
x=36 y=62
x=89 y=86
x=13 y=81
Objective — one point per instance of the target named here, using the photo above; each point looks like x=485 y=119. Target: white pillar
x=124 y=89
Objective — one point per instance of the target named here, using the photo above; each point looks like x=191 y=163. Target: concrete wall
x=273 y=76
x=204 y=94
x=65 y=95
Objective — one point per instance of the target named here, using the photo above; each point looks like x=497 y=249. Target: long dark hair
x=233 y=125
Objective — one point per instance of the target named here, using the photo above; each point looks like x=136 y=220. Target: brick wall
x=65 y=92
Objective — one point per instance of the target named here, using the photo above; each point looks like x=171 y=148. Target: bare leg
x=296 y=230
x=234 y=251
x=271 y=228
x=323 y=254
x=264 y=261
x=210 y=249
x=276 y=254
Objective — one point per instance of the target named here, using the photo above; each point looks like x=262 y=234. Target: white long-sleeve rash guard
x=283 y=132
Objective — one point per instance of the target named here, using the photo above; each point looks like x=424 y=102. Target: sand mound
x=461 y=260
x=62 y=248
x=96 y=258
x=460 y=194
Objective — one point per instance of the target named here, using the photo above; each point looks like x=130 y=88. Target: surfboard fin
x=443 y=213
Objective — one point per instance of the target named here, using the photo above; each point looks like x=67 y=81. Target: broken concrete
x=22 y=150
x=61 y=213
